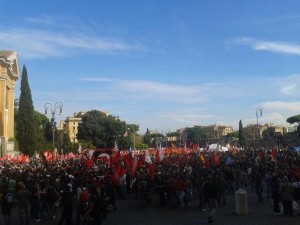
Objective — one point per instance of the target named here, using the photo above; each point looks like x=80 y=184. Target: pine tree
x=25 y=123
x=242 y=138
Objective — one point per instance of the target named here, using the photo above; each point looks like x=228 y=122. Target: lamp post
x=48 y=106
x=259 y=111
x=136 y=123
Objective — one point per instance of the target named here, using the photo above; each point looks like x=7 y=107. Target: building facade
x=254 y=131
x=216 y=132
x=9 y=73
x=70 y=126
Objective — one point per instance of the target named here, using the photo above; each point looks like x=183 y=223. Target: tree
x=233 y=135
x=40 y=121
x=134 y=140
x=295 y=119
x=151 y=139
x=25 y=124
x=101 y=130
x=66 y=142
x=48 y=131
x=194 y=133
x=242 y=137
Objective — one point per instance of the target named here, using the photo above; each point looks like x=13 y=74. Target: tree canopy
x=194 y=133
x=101 y=130
x=294 y=119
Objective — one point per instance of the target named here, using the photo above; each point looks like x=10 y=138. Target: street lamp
x=137 y=124
x=48 y=106
x=259 y=111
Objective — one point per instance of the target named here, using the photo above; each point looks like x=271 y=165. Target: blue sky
x=163 y=64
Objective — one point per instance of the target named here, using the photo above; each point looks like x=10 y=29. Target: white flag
x=79 y=148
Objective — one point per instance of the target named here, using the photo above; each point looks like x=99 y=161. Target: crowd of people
x=72 y=191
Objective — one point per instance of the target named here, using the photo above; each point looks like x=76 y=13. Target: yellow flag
x=234 y=152
x=202 y=159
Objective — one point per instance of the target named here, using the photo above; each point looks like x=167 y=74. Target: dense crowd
x=57 y=189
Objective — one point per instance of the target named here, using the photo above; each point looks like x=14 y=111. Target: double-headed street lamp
x=48 y=106
x=137 y=124
x=259 y=110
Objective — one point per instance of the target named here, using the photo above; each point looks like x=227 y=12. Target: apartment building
x=216 y=131
x=70 y=126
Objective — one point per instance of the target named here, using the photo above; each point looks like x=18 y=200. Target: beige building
x=9 y=73
x=216 y=132
x=273 y=131
x=70 y=126
x=254 y=131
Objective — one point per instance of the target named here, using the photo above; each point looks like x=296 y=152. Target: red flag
x=49 y=155
x=195 y=146
x=142 y=160
x=89 y=163
x=216 y=159
x=151 y=170
x=117 y=171
x=274 y=154
x=134 y=166
x=207 y=165
x=116 y=157
x=122 y=171
x=157 y=157
x=128 y=160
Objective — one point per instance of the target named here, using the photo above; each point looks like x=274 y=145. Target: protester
x=50 y=198
x=97 y=207
x=67 y=206
x=221 y=187
x=111 y=192
x=161 y=189
x=7 y=200
x=36 y=209
x=274 y=186
x=286 y=192
x=259 y=185
x=210 y=197
x=24 y=197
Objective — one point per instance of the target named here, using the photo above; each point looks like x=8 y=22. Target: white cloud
x=43 y=19
x=289 y=85
x=96 y=79
x=189 y=117
x=32 y=43
x=277 y=47
x=279 y=105
x=177 y=106
x=156 y=91
x=233 y=90
x=288 y=89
